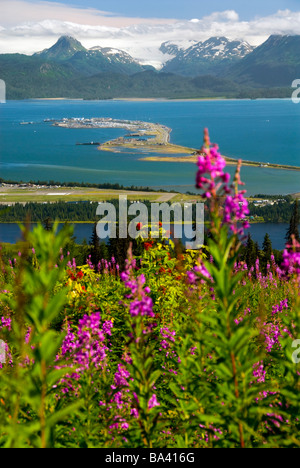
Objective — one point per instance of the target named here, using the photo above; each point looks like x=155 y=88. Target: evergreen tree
x=83 y=253
x=257 y=251
x=47 y=224
x=265 y=254
x=267 y=248
x=294 y=225
x=250 y=252
x=95 y=247
x=71 y=245
x=118 y=249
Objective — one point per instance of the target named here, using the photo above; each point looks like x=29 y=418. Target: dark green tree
x=47 y=224
x=294 y=225
x=267 y=248
x=70 y=247
x=118 y=248
x=95 y=247
x=257 y=251
x=265 y=254
x=250 y=252
x=83 y=253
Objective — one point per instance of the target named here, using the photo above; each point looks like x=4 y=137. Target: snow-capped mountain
x=89 y=62
x=185 y=57
x=211 y=56
x=173 y=49
x=114 y=55
x=63 y=49
x=217 y=48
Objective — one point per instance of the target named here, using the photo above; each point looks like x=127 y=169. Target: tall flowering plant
x=215 y=185
x=136 y=377
x=27 y=394
x=215 y=381
x=287 y=356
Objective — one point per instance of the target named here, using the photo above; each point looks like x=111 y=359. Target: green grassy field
x=15 y=194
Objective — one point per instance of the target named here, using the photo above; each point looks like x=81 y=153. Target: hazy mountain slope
x=102 y=60
x=63 y=49
x=28 y=77
x=275 y=63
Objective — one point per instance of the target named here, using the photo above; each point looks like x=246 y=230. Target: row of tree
x=251 y=250
x=280 y=212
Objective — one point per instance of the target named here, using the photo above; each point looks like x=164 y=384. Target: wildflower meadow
x=179 y=349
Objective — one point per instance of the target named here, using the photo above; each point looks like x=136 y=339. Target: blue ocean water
x=257 y=130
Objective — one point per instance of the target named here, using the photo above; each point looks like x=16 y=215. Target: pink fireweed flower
x=291 y=259
x=278 y=308
x=5 y=323
x=86 y=348
x=153 y=402
x=28 y=335
x=141 y=304
x=258 y=372
x=214 y=182
x=198 y=272
x=121 y=376
x=168 y=336
x=210 y=175
x=236 y=207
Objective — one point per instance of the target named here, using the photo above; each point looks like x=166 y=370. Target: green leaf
x=61 y=415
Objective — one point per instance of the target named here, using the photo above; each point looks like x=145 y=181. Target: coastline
x=55 y=99
x=154 y=99
x=230 y=162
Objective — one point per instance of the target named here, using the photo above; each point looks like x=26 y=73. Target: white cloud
x=220 y=16
x=35 y=26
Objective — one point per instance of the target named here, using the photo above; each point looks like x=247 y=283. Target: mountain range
x=210 y=57
x=215 y=67
x=69 y=51
x=274 y=63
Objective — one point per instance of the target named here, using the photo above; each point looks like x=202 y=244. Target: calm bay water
x=11 y=233
x=260 y=130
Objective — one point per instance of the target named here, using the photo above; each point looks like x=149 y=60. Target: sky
x=140 y=27
x=187 y=9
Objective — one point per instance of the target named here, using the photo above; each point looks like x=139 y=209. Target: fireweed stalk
x=85 y=351
x=30 y=385
x=217 y=385
x=290 y=390
x=138 y=375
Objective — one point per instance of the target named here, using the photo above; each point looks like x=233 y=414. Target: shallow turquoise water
x=261 y=130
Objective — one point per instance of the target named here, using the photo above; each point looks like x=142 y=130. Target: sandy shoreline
x=178 y=100
x=56 y=99
x=230 y=162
